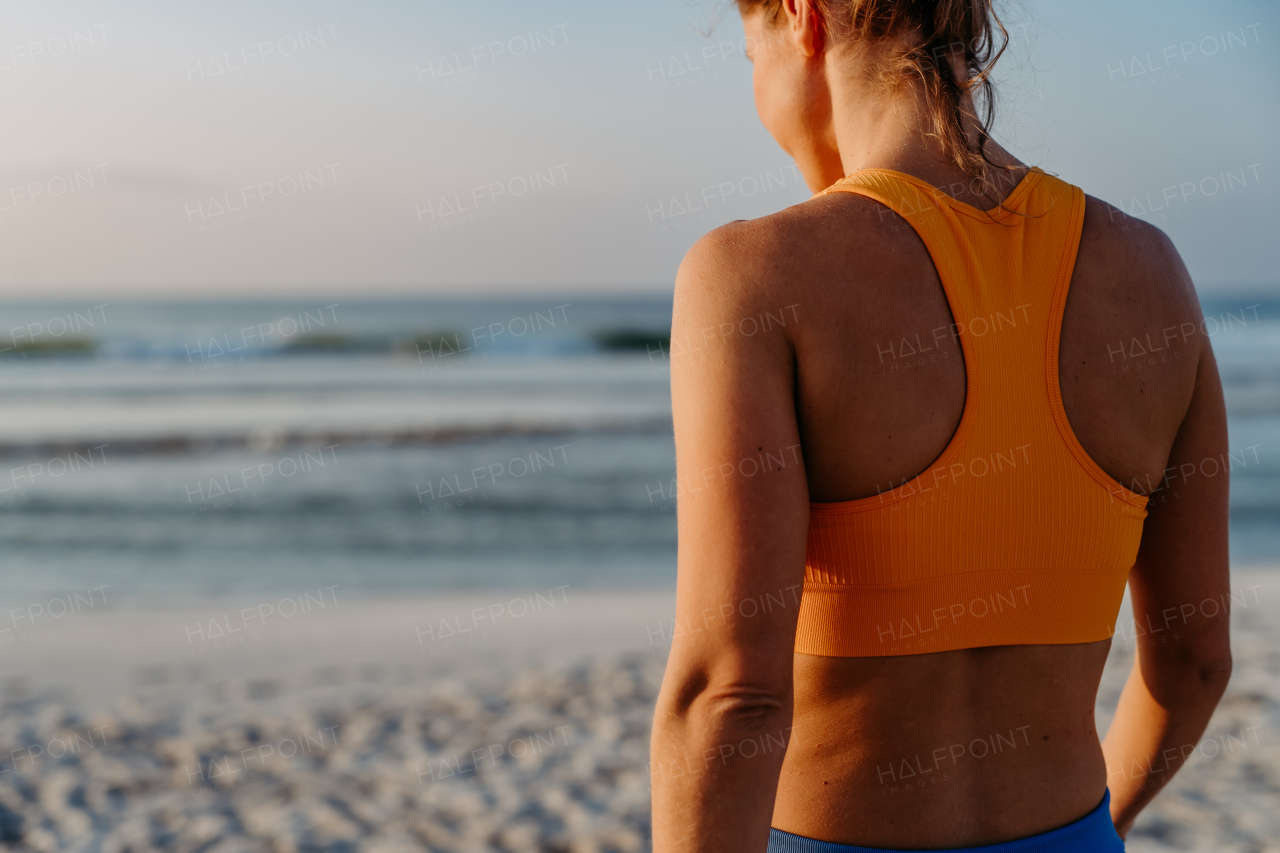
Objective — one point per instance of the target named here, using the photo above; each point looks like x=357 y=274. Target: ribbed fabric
x=1013 y=536
x=1093 y=833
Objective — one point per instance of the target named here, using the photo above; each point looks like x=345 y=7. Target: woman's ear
x=805 y=25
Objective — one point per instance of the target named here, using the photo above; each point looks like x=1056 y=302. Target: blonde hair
x=915 y=39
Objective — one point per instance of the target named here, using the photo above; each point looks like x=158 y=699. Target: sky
x=171 y=149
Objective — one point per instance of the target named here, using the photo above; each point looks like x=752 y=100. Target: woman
x=928 y=423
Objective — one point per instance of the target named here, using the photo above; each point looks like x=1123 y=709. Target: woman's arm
x=1180 y=589
x=723 y=715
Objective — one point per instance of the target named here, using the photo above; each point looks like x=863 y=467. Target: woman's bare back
x=866 y=383
x=973 y=746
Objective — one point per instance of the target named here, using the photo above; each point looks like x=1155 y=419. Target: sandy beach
x=491 y=721
x=345 y=350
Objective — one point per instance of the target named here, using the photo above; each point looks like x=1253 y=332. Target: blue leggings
x=1093 y=833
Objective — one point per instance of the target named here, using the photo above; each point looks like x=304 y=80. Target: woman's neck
x=877 y=129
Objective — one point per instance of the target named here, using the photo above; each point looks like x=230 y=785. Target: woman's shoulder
x=754 y=262
x=1134 y=262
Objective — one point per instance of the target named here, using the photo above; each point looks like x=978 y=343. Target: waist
x=1093 y=833
x=895 y=751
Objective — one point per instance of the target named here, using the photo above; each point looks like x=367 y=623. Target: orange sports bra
x=1013 y=536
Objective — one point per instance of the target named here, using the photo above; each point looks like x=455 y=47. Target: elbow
x=1211 y=676
x=716 y=726
x=726 y=693
x=740 y=705
x=747 y=708
x=1202 y=676
x=1214 y=673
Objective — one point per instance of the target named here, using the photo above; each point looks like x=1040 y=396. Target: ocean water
x=168 y=452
